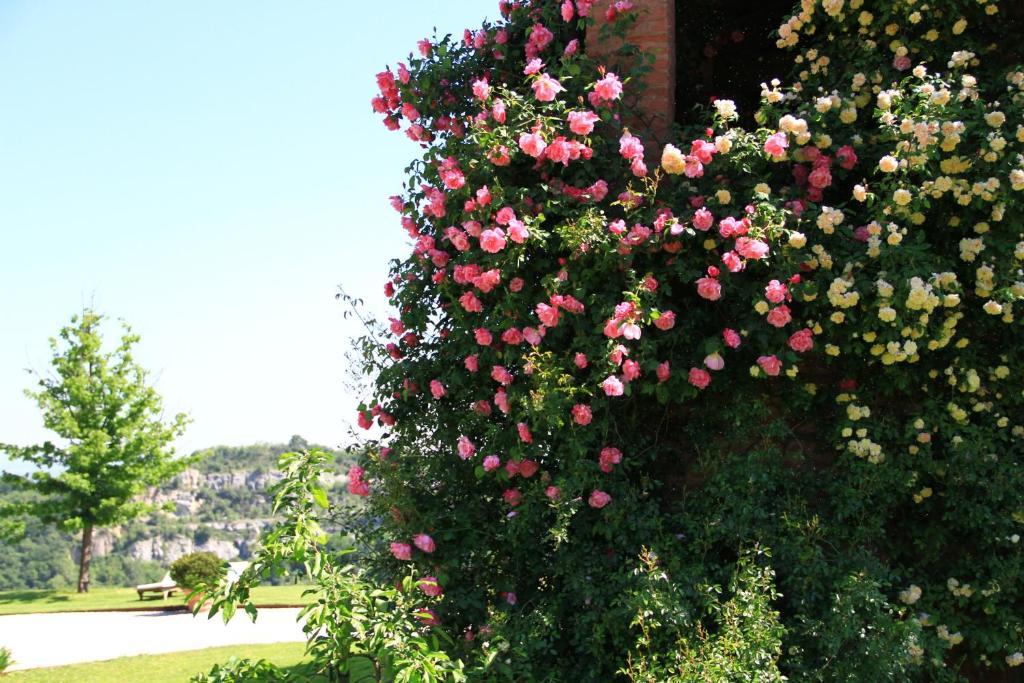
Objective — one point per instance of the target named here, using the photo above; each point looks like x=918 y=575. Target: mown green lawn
x=100 y=599
x=176 y=667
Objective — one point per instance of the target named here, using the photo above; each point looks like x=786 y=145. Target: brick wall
x=655 y=32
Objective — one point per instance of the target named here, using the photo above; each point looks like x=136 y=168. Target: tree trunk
x=84 y=558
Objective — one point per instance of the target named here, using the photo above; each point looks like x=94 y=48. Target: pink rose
x=664 y=371
x=545 y=88
x=779 y=316
x=699 y=377
x=612 y=386
x=501 y=400
x=630 y=370
x=608 y=88
x=472 y=362
x=528 y=468
x=401 y=551
x=568 y=10
x=501 y=375
x=582 y=414
x=524 y=433
x=630 y=147
x=847 y=157
x=776 y=145
x=481 y=89
x=466 y=448
x=598 y=499
x=356 y=485
x=547 y=314
x=714 y=361
x=703 y=219
x=731 y=338
x=801 y=341
x=532 y=336
x=533 y=66
x=430 y=586
x=709 y=288
x=483 y=337
x=666 y=321
x=821 y=177
x=733 y=262
x=751 y=248
x=437 y=389
x=580 y=360
x=770 y=364
x=493 y=240
x=776 y=292
x=424 y=543
x=582 y=122
x=512 y=496
x=533 y=144
x=491 y=463
x=516 y=284
x=609 y=458
x=552 y=492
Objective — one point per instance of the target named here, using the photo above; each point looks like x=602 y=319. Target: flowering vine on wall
x=800 y=337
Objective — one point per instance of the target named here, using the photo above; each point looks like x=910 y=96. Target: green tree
x=112 y=442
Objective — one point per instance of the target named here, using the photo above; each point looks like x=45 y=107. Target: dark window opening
x=725 y=49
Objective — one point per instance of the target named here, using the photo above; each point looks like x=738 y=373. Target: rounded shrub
x=197 y=569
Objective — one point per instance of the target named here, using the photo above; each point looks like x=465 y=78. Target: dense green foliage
x=112 y=442
x=197 y=569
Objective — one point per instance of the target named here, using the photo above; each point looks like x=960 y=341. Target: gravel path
x=69 y=637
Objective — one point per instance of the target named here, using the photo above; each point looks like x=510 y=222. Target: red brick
x=655 y=32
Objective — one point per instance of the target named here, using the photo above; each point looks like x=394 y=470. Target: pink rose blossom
x=533 y=66
x=598 y=499
x=631 y=331
x=430 y=586
x=801 y=341
x=779 y=316
x=533 y=144
x=401 y=551
x=466 y=448
x=568 y=10
x=501 y=375
x=776 y=292
x=492 y=241
x=532 y=335
x=612 y=386
x=609 y=458
x=709 y=288
x=552 y=492
x=501 y=400
x=516 y=284
x=702 y=219
x=733 y=262
x=528 y=468
x=714 y=361
x=582 y=122
x=608 y=88
x=776 y=145
x=524 y=433
x=847 y=157
x=770 y=364
x=664 y=371
x=356 y=485
x=545 y=88
x=582 y=414
x=547 y=314
x=472 y=362
x=437 y=389
x=699 y=378
x=471 y=303
x=512 y=496
x=424 y=543
x=580 y=359
x=491 y=463
x=481 y=89
x=630 y=370
x=731 y=338
x=751 y=248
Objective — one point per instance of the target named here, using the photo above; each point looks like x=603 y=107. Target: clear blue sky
x=209 y=172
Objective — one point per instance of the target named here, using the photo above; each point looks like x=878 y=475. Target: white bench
x=166 y=585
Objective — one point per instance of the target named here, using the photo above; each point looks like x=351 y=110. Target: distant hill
x=219 y=504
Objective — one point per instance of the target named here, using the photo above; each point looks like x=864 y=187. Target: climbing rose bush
x=740 y=406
